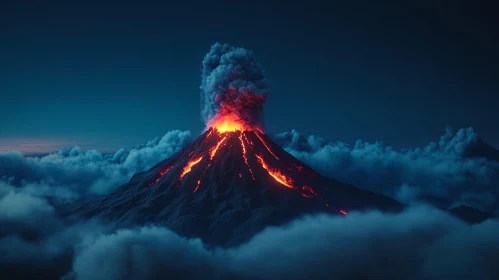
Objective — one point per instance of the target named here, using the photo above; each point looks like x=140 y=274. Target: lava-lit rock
x=225 y=187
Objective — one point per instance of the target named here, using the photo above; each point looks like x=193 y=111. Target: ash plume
x=233 y=86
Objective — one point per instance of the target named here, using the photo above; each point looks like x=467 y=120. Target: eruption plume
x=233 y=180
x=233 y=89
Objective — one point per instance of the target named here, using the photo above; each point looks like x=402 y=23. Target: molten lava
x=200 y=177
x=227 y=123
x=213 y=151
x=189 y=166
x=245 y=157
x=276 y=174
x=343 y=212
x=266 y=146
x=161 y=173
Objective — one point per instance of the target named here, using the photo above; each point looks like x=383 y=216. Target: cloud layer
x=411 y=245
x=419 y=243
x=441 y=172
x=73 y=173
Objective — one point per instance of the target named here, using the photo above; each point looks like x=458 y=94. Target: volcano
x=233 y=180
x=228 y=185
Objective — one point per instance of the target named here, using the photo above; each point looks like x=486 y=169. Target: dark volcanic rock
x=471 y=215
x=228 y=195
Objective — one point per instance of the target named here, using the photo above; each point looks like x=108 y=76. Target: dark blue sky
x=118 y=74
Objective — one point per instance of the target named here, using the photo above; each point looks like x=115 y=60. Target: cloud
x=34 y=242
x=233 y=86
x=420 y=243
x=73 y=173
x=442 y=172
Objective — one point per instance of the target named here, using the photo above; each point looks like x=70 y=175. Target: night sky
x=111 y=75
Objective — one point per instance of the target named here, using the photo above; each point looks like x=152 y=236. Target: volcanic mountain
x=226 y=186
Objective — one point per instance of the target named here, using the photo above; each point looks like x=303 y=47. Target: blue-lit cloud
x=414 y=244
x=72 y=173
x=443 y=172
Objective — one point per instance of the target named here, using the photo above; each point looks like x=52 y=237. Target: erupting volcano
x=233 y=180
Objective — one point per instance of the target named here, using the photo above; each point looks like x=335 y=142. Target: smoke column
x=233 y=87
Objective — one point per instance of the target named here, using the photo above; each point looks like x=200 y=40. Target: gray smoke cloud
x=441 y=172
x=233 y=85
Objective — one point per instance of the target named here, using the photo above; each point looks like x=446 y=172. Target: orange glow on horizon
x=189 y=166
x=276 y=174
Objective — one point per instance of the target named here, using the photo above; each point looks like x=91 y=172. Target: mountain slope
x=225 y=187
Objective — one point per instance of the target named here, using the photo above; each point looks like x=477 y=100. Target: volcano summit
x=233 y=180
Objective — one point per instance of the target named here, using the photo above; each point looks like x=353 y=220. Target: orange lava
x=197 y=186
x=247 y=140
x=189 y=166
x=245 y=157
x=213 y=151
x=161 y=173
x=200 y=177
x=310 y=190
x=276 y=174
x=343 y=212
x=227 y=123
x=266 y=146
x=298 y=167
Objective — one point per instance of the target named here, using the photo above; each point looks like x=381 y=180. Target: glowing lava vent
x=234 y=180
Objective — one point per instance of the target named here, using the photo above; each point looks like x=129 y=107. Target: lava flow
x=213 y=151
x=189 y=166
x=244 y=156
x=161 y=173
x=266 y=146
x=281 y=178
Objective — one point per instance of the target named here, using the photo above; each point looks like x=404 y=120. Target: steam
x=233 y=86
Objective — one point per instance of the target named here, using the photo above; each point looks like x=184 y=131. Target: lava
x=244 y=156
x=189 y=166
x=266 y=146
x=197 y=186
x=200 y=177
x=310 y=190
x=276 y=174
x=161 y=173
x=343 y=212
x=213 y=151
x=227 y=123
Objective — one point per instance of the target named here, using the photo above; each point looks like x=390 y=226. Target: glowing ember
x=276 y=174
x=213 y=151
x=298 y=167
x=266 y=146
x=343 y=212
x=310 y=190
x=245 y=157
x=161 y=173
x=327 y=205
x=200 y=177
x=197 y=186
x=189 y=166
x=190 y=154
